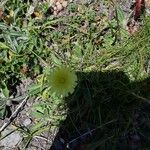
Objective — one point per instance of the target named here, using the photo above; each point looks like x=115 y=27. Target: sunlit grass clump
x=62 y=81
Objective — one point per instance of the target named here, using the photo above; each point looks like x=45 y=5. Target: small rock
x=64 y=4
x=30 y=11
x=87 y=1
x=11 y=140
x=55 y=8
x=27 y=122
x=55 y=13
x=59 y=7
x=61 y=1
x=57 y=3
x=52 y=2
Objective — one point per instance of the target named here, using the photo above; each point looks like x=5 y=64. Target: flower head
x=62 y=81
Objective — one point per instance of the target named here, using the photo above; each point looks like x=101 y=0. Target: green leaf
x=5 y=90
x=55 y=59
x=39 y=108
x=78 y=51
x=2 y=112
x=35 y=89
x=45 y=94
x=37 y=115
x=120 y=15
x=3 y=46
x=37 y=126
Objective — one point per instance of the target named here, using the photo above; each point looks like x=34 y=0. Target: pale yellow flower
x=62 y=81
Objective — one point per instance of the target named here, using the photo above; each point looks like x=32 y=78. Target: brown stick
x=139 y=6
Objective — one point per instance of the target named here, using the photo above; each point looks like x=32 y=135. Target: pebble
x=55 y=13
x=57 y=3
x=64 y=4
x=27 y=122
x=61 y=1
x=55 y=8
x=59 y=6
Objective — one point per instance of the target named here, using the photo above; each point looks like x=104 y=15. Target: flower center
x=62 y=80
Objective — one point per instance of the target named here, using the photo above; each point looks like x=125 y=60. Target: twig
x=90 y=131
x=140 y=97
x=139 y=7
x=14 y=115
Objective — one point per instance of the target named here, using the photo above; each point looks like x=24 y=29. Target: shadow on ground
x=106 y=112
